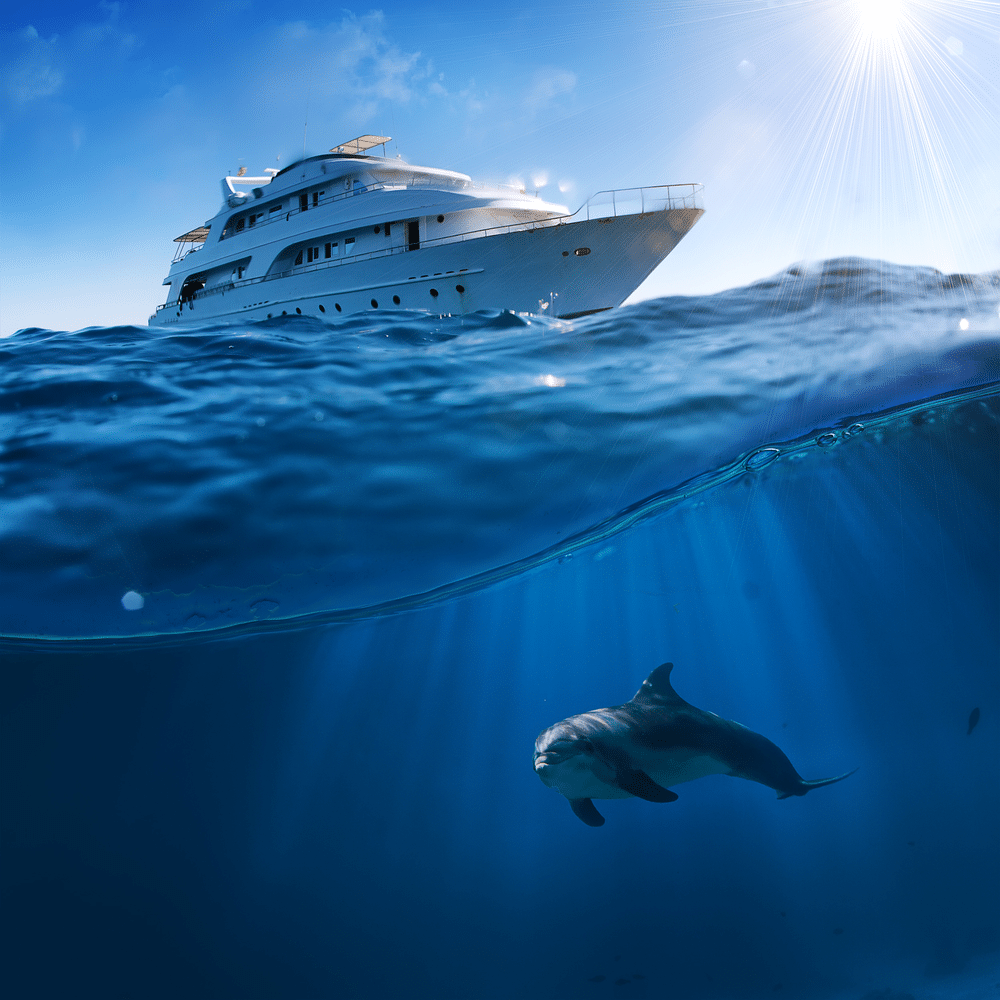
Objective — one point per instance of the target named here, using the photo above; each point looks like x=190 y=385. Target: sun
x=879 y=19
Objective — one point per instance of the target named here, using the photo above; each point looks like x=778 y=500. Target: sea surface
x=283 y=607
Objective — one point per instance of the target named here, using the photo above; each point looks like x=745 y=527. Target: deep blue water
x=376 y=558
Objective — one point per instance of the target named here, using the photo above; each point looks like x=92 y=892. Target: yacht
x=350 y=231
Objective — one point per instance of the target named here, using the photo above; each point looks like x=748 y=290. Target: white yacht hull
x=564 y=269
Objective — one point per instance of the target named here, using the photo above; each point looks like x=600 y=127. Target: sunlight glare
x=879 y=18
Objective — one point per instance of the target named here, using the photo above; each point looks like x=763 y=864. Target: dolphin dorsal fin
x=657 y=690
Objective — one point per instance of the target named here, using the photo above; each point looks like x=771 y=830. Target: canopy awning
x=198 y=235
x=362 y=143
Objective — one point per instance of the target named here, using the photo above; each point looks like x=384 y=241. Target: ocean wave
x=294 y=469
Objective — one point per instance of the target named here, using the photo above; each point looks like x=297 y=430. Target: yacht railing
x=639 y=201
x=185 y=248
x=603 y=205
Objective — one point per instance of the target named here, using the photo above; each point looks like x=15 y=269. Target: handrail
x=691 y=200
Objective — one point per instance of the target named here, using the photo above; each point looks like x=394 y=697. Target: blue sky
x=819 y=127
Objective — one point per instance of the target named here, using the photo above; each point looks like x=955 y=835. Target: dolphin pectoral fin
x=587 y=811
x=642 y=786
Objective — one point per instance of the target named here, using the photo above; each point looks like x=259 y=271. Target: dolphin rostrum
x=655 y=740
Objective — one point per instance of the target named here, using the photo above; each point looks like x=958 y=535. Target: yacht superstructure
x=348 y=231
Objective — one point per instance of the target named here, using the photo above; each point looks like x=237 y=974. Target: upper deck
x=334 y=179
x=323 y=192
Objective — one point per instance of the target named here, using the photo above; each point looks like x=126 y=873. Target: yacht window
x=328 y=249
x=349 y=245
x=239 y=273
x=315 y=198
x=413 y=234
x=298 y=260
x=309 y=255
x=387 y=225
x=273 y=209
x=239 y=225
x=303 y=202
x=253 y=219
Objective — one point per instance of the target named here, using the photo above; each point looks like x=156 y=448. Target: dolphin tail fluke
x=808 y=786
x=587 y=811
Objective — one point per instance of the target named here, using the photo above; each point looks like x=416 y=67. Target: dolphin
x=655 y=740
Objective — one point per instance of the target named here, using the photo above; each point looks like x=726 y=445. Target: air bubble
x=318 y=415
x=132 y=601
x=759 y=459
x=825 y=440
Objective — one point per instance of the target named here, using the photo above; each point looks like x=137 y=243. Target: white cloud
x=31 y=73
x=547 y=85
x=475 y=102
x=347 y=70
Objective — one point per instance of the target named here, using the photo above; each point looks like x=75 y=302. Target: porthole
x=460 y=289
x=284 y=312
x=298 y=310
x=337 y=306
x=434 y=292
x=395 y=300
x=322 y=308
x=268 y=315
x=440 y=218
x=565 y=253
x=374 y=303
x=378 y=229
x=581 y=251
